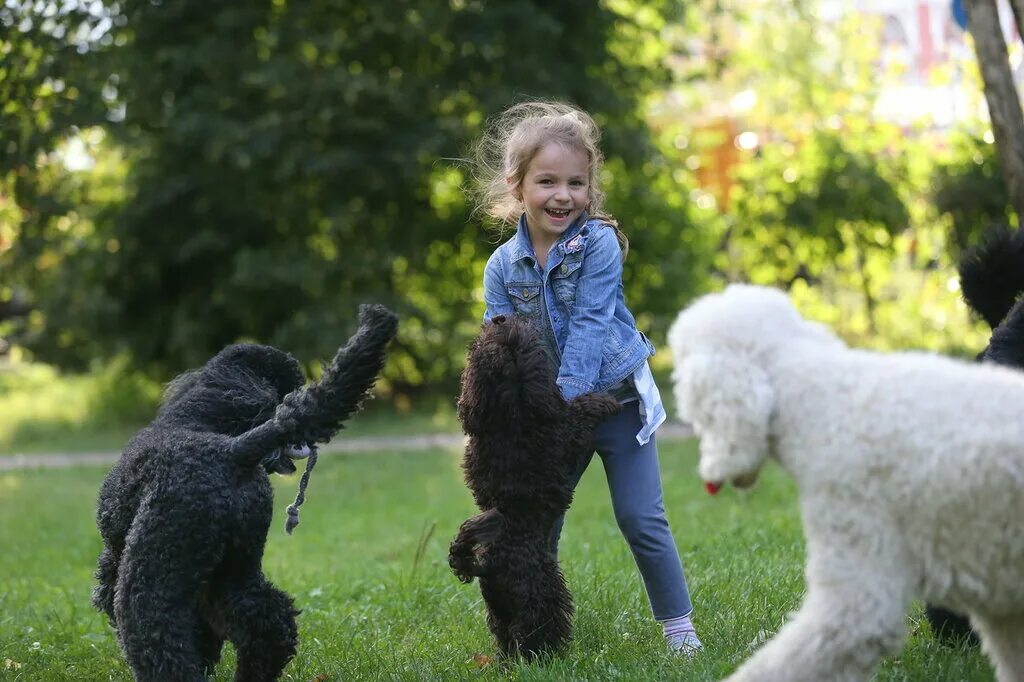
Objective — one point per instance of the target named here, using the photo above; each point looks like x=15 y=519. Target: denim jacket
x=578 y=298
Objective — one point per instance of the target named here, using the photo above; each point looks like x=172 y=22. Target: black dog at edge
x=185 y=511
x=526 y=444
x=992 y=281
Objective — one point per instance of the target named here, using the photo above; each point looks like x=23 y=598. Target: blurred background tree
x=286 y=161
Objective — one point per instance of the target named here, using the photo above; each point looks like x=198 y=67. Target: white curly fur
x=910 y=469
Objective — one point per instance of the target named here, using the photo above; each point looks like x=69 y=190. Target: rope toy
x=293 y=508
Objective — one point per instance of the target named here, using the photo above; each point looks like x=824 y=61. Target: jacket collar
x=523 y=248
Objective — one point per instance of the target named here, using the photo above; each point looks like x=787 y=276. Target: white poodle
x=910 y=469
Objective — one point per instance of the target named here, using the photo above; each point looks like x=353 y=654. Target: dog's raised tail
x=320 y=409
x=992 y=274
x=314 y=413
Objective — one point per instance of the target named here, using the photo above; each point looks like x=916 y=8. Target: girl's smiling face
x=555 y=190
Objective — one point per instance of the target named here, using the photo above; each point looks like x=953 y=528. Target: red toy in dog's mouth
x=742 y=482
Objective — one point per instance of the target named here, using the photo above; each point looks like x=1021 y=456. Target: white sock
x=680 y=634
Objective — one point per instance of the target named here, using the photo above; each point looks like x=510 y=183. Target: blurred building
x=926 y=82
x=925 y=50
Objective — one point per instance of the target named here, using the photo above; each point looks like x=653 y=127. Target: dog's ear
x=729 y=401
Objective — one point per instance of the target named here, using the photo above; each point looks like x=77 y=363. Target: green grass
x=368 y=569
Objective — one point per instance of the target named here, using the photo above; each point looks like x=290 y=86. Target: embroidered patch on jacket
x=574 y=244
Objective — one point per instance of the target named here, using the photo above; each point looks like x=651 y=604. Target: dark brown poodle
x=526 y=445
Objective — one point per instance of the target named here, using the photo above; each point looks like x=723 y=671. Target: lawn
x=367 y=567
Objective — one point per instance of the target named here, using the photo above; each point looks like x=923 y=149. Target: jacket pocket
x=525 y=297
x=564 y=280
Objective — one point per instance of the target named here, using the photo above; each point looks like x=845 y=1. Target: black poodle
x=526 y=444
x=185 y=511
x=992 y=281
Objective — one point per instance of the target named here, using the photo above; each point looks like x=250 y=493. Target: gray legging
x=635 y=485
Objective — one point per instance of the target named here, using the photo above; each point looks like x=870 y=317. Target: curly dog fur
x=184 y=513
x=992 y=281
x=526 y=444
x=909 y=468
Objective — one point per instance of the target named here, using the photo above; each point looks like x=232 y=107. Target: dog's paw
x=606 y=404
x=461 y=562
x=596 y=406
x=482 y=529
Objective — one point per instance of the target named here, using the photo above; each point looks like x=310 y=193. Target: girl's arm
x=495 y=292
x=596 y=292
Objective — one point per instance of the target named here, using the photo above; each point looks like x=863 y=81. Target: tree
x=287 y=161
x=52 y=80
x=1000 y=93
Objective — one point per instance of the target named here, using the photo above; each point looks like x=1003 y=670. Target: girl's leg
x=635 y=484
x=556 y=532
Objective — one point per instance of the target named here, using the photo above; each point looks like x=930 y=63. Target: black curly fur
x=525 y=446
x=185 y=511
x=992 y=281
x=992 y=274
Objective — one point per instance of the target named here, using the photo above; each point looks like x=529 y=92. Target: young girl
x=540 y=169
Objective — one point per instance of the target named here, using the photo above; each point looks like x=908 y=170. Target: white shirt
x=652 y=411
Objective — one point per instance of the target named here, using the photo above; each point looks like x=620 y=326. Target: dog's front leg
x=590 y=409
x=480 y=530
x=853 y=614
x=106 y=576
x=1002 y=640
x=585 y=413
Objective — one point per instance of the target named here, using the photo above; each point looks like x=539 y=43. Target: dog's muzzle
x=298 y=451
x=280 y=461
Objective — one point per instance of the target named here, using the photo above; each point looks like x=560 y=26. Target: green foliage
x=367 y=568
x=53 y=84
x=828 y=199
x=803 y=206
x=284 y=162
x=45 y=411
x=969 y=187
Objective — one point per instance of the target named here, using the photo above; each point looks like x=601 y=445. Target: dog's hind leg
x=1002 y=639
x=541 y=622
x=157 y=626
x=210 y=645
x=159 y=578
x=261 y=624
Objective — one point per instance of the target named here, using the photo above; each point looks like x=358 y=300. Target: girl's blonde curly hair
x=514 y=137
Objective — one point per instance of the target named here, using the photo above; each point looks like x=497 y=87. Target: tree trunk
x=1000 y=95
x=1018 y=15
